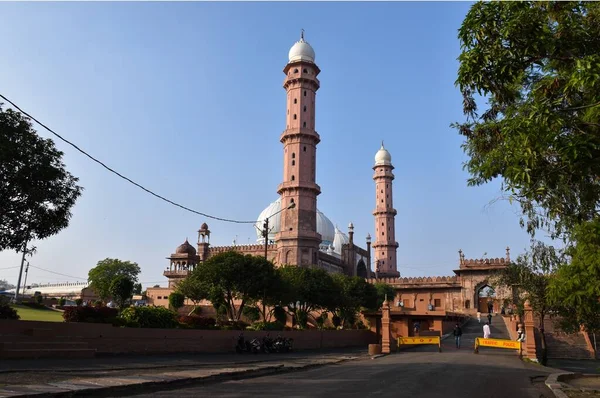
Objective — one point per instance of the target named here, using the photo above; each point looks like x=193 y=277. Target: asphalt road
x=416 y=372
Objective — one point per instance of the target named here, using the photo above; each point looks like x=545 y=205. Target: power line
x=58 y=273
x=121 y=175
x=16 y=266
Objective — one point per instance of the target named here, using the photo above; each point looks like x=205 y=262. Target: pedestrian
x=417 y=327
x=520 y=335
x=457 y=332
x=490 y=318
x=479 y=316
x=486 y=331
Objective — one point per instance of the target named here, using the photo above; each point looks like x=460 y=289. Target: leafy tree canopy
x=232 y=276
x=351 y=295
x=121 y=289
x=537 y=65
x=137 y=288
x=383 y=290
x=4 y=285
x=575 y=290
x=36 y=191
x=103 y=274
x=309 y=289
x=176 y=300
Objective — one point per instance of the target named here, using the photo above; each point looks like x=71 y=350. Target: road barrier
x=497 y=343
x=434 y=340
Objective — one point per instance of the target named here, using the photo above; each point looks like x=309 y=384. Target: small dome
x=204 y=227
x=185 y=248
x=383 y=157
x=301 y=51
x=339 y=240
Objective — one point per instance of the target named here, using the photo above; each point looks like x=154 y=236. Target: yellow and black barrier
x=434 y=340
x=497 y=343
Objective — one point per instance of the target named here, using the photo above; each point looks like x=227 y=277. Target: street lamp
x=265 y=230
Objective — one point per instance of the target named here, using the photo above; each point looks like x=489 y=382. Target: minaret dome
x=301 y=51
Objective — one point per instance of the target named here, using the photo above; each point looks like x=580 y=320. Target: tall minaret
x=385 y=245
x=298 y=240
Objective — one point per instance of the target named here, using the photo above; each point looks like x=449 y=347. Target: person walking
x=479 y=316
x=457 y=332
x=486 y=331
x=490 y=318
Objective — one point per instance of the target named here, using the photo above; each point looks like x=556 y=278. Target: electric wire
x=121 y=175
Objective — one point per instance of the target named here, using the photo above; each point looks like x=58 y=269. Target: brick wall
x=107 y=339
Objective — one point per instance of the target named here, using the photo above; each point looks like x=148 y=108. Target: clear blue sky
x=187 y=99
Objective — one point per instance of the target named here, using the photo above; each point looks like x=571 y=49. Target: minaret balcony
x=176 y=273
x=299 y=132
x=384 y=210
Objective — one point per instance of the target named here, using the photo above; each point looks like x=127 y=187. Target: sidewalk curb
x=556 y=386
x=161 y=382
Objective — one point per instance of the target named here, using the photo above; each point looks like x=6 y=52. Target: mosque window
x=295 y=100
x=381 y=190
x=293 y=178
x=382 y=233
x=305 y=149
x=381 y=200
x=293 y=162
x=304 y=108
x=295 y=117
x=304 y=124
x=295 y=70
x=305 y=93
x=293 y=155
x=437 y=303
x=305 y=70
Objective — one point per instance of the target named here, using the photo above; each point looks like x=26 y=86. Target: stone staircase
x=561 y=345
x=39 y=343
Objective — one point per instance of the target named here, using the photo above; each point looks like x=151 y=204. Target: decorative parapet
x=478 y=262
x=241 y=248
x=425 y=280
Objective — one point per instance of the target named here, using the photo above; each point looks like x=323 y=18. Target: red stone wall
x=112 y=340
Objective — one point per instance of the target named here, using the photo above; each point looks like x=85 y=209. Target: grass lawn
x=34 y=314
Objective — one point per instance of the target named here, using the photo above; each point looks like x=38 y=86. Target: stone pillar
x=385 y=327
x=529 y=348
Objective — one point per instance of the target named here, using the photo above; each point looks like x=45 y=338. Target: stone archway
x=361 y=269
x=485 y=298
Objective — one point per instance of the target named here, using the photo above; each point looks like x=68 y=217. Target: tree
x=309 y=289
x=232 y=277
x=4 y=285
x=121 y=289
x=575 y=290
x=537 y=65
x=193 y=288
x=103 y=274
x=351 y=294
x=36 y=191
x=383 y=291
x=529 y=278
x=176 y=300
x=137 y=288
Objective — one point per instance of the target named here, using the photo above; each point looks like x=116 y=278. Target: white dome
x=324 y=226
x=383 y=157
x=339 y=240
x=301 y=51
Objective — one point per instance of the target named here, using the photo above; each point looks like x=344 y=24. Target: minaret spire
x=302 y=34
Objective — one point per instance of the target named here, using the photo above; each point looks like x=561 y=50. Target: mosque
x=292 y=230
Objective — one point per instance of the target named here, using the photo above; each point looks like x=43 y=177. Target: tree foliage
x=383 y=290
x=176 y=300
x=36 y=192
x=5 y=285
x=107 y=270
x=575 y=290
x=121 y=289
x=537 y=65
x=352 y=295
x=229 y=277
x=137 y=288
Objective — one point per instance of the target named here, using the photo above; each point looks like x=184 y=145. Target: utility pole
x=26 y=273
x=16 y=299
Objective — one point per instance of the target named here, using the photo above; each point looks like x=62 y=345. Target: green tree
x=575 y=291
x=121 y=290
x=529 y=278
x=530 y=79
x=4 y=285
x=232 y=277
x=137 y=288
x=193 y=288
x=309 y=289
x=176 y=300
x=36 y=192
x=351 y=295
x=107 y=270
x=382 y=290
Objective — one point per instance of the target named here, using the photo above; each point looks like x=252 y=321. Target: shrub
x=79 y=302
x=197 y=322
x=252 y=313
x=266 y=326
x=90 y=314
x=61 y=301
x=336 y=320
x=233 y=325
x=149 y=317
x=7 y=312
x=39 y=299
x=280 y=314
x=176 y=300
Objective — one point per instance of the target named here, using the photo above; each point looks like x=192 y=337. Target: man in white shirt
x=486 y=331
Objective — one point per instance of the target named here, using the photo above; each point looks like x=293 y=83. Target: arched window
x=295 y=100
x=305 y=70
x=295 y=117
x=305 y=93
x=295 y=70
x=293 y=178
x=304 y=124
x=293 y=155
x=304 y=108
x=293 y=162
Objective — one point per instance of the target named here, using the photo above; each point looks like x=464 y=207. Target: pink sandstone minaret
x=298 y=240
x=385 y=245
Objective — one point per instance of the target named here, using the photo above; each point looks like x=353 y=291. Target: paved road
x=419 y=372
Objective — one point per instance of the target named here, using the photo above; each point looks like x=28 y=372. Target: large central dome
x=324 y=226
